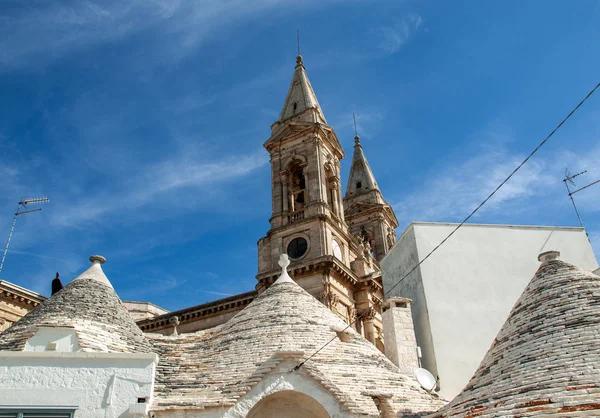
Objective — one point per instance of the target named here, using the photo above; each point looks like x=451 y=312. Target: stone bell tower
x=307 y=220
x=368 y=215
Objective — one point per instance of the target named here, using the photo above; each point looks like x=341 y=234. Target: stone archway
x=289 y=404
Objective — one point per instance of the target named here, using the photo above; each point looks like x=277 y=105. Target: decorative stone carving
x=329 y=298
x=369 y=315
x=174 y=320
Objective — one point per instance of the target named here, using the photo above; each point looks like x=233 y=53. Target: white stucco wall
x=470 y=284
x=99 y=384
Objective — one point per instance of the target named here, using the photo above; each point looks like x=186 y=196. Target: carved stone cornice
x=195 y=313
x=19 y=295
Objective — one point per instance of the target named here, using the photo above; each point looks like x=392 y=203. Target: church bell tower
x=307 y=220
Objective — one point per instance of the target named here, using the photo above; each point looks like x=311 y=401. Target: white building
x=78 y=354
x=464 y=292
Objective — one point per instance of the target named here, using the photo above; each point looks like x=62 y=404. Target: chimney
x=398 y=328
x=56 y=285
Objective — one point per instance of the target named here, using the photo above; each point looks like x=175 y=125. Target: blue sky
x=143 y=121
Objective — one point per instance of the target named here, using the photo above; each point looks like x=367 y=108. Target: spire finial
x=97 y=259
x=298 y=57
x=284 y=262
x=548 y=256
x=356 y=137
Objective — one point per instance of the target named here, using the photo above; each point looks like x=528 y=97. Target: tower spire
x=365 y=209
x=301 y=101
x=361 y=179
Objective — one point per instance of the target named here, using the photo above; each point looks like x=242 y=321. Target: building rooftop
x=545 y=361
x=88 y=305
x=215 y=368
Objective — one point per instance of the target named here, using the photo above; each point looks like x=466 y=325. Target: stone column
x=284 y=187
x=306 y=183
x=339 y=193
x=369 y=325
x=334 y=193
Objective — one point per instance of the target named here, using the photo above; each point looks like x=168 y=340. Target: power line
x=464 y=221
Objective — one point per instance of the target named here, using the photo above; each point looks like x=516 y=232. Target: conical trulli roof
x=545 y=360
x=91 y=307
x=217 y=367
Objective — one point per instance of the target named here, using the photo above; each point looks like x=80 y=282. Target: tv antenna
x=22 y=209
x=569 y=180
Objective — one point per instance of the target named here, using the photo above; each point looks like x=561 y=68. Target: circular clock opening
x=297 y=247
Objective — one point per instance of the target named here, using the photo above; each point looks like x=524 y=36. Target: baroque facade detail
x=334 y=261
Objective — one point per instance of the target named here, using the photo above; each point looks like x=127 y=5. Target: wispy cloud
x=454 y=188
x=48 y=30
x=167 y=179
x=45 y=31
x=394 y=37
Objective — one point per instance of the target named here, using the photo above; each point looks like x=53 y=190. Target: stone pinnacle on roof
x=301 y=98
x=88 y=305
x=284 y=262
x=95 y=271
x=545 y=361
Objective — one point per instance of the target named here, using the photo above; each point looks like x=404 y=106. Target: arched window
x=297 y=189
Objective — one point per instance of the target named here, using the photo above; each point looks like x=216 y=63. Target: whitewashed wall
x=464 y=292
x=99 y=384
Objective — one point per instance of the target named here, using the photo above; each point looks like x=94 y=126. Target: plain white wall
x=472 y=282
x=99 y=384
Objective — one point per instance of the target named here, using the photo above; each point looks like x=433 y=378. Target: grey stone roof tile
x=91 y=307
x=545 y=360
x=218 y=366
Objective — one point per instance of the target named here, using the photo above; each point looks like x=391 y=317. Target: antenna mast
x=22 y=209
x=569 y=179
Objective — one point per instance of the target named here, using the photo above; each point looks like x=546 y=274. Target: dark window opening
x=295 y=106
x=298 y=190
x=358 y=184
x=297 y=247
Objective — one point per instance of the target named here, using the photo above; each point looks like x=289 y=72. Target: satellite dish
x=426 y=379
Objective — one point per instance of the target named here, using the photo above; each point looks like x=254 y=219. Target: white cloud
x=172 y=180
x=452 y=193
x=453 y=189
x=44 y=31
x=396 y=36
